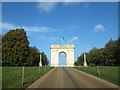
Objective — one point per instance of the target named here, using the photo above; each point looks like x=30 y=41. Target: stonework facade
x=67 y=49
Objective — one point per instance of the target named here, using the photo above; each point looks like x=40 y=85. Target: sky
x=84 y=24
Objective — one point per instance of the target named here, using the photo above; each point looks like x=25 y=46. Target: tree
x=109 y=52
x=44 y=59
x=108 y=55
x=76 y=63
x=34 y=56
x=15 y=47
x=80 y=59
x=17 y=52
x=94 y=56
x=117 y=52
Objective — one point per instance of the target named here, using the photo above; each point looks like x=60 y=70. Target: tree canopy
x=44 y=59
x=16 y=50
x=108 y=55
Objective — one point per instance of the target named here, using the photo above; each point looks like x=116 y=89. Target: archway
x=68 y=49
x=62 y=59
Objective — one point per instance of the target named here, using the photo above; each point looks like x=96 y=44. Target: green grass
x=0 y=77
x=109 y=73
x=12 y=76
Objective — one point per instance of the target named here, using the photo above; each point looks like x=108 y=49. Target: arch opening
x=62 y=59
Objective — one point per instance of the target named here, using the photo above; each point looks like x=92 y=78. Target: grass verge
x=109 y=73
x=12 y=76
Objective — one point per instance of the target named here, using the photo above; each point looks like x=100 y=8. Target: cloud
x=7 y=26
x=46 y=6
x=47 y=38
x=72 y=40
x=71 y=3
x=38 y=29
x=30 y=29
x=99 y=28
x=4 y=27
x=50 y=5
x=74 y=0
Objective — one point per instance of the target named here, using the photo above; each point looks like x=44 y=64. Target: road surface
x=62 y=77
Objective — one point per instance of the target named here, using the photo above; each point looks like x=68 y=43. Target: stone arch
x=68 y=49
x=62 y=52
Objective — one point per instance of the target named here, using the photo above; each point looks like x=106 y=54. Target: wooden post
x=39 y=69
x=23 y=76
x=98 y=71
x=44 y=68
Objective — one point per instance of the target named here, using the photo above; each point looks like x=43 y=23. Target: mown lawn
x=12 y=76
x=109 y=73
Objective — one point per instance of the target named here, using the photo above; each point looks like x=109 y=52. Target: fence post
x=39 y=70
x=23 y=75
x=98 y=70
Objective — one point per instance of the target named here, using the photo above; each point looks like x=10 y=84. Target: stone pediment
x=68 y=46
